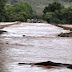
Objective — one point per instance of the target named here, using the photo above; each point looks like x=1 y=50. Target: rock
x=65 y=34
x=17 y=22
x=49 y=64
x=2 y=31
x=23 y=35
x=6 y=43
x=70 y=67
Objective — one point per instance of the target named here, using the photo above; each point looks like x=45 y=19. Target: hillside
x=38 y=5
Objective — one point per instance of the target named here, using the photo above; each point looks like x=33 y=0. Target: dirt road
x=34 y=42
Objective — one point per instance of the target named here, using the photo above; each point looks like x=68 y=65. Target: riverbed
x=34 y=42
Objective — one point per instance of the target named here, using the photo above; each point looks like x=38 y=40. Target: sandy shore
x=7 y=25
x=67 y=27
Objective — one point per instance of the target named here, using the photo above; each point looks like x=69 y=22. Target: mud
x=65 y=26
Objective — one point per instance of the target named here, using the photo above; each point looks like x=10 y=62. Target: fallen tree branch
x=49 y=63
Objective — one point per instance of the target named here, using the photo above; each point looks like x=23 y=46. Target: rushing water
x=40 y=43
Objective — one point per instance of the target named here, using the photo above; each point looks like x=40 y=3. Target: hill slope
x=38 y=5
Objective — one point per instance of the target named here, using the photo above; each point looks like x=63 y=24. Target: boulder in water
x=2 y=31
x=65 y=34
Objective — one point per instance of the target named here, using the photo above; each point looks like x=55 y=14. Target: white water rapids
x=40 y=43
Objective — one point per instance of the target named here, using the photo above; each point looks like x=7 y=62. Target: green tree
x=2 y=9
x=24 y=8
x=2 y=5
x=63 y=16
x=52 y=7
x=55 y=15
x=20 y=11
x=67 y=15
x=49 y=16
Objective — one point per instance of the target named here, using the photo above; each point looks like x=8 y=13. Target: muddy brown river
x=34 y=42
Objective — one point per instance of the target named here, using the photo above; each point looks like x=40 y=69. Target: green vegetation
x=52 y=7
x=39 y=5
x=20 y=11
x=56 y=13
x=17 y=12
x=2 y=10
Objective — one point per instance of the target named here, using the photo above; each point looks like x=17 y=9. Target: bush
x=52 y=7
x=2 y=10
x=55 y=20
x=48 y=16
x=20 y=11
x=63 y=16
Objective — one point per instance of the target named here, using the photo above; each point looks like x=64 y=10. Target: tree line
x=17 y=12
x=57 y=13
x=53 y=13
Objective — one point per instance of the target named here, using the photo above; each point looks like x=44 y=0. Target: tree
x=2 y=5
x=52 y=7
x=67 y=15
x=2 y=10
x=63 y=16
x=20 y=11
x=48 y=16
x=23 y=8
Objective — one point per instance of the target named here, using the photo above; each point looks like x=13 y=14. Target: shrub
x=2 y=10
x=20 y=11
x=63 y=16
x=52 y=7
x=48 y=16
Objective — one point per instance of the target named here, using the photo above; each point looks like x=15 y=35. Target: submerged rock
x=49 y=64
x=65 y=34
x=2 y=31
x=70 y=67
x=23 y=35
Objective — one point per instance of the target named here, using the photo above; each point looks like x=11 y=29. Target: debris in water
x=65 y=34
x=2 y=31
x=23 y=35
x=49 y=64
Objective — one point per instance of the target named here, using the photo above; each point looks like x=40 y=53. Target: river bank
x=65 y=27
x=3 y=25
x=7 y=24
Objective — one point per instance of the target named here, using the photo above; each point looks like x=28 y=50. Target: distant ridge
x=36 y=1
x=38 y=5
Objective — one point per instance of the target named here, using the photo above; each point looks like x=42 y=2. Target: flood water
x=39 y=44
